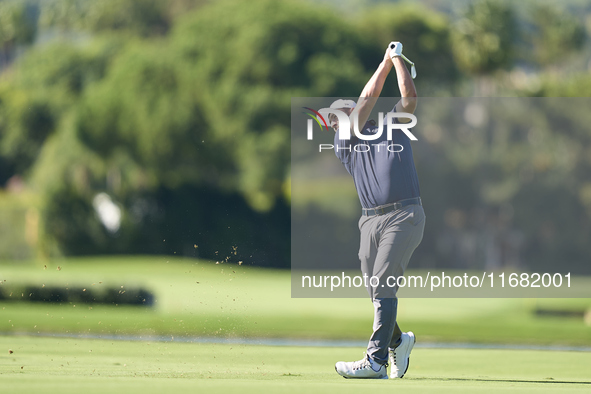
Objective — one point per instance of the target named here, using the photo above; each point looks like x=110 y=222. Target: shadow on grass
x=501 y=380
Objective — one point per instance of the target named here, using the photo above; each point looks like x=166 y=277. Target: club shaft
x=406 y=59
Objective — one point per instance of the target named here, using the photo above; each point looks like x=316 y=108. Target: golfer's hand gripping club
x=396 y=50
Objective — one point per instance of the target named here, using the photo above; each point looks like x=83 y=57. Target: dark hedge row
x=61 y=294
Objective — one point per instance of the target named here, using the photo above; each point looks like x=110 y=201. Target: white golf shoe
x=399 y=357
x=362 y=369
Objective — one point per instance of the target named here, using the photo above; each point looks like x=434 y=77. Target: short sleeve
x=343 y=149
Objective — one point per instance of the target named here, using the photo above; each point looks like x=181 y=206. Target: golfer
x=392 y=219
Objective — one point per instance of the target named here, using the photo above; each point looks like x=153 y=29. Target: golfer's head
x=346 y=106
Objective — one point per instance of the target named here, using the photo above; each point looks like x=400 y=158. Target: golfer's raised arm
x=408 y=92
x=372 y=91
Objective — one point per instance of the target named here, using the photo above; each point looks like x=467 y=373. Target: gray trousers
x=387 y=243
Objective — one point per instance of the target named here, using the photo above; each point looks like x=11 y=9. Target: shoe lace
x=393 y=353
x=362 y=364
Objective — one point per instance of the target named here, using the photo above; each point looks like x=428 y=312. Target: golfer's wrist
x=396 y=59
x=388 y=64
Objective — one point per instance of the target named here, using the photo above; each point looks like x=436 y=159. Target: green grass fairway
x=200 y=298
x=52 y=365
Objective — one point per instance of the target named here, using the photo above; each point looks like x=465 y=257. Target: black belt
x=390 y=207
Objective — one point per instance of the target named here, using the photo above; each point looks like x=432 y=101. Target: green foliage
x=484 y=37
x=18 y=227
x=186 y=114
x=425 y=35
x=151 y=120
x=578 y=85
x=138 y=17
x=26 y=120
x=555 y=35
x=18 y=23
x=143 y=17
x=248 y=59
x=64 y=69
x=527 y=153
x=147 y=109
x=18 y=27
x=70 y=219
x=40 y=92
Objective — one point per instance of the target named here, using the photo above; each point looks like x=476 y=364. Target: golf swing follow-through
x=392 y=218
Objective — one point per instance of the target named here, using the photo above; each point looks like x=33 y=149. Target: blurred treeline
x=179 y=110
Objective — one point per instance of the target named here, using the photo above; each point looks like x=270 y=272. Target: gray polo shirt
x=383 y=171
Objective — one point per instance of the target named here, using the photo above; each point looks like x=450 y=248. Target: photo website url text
x=440 y=280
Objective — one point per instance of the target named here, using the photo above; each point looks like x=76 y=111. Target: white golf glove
x=395 y=49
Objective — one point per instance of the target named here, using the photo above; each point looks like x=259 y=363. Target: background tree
x=483 y=40
x=555 y=34
x=40 y=92
x=248 y=62
x=18 y=26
